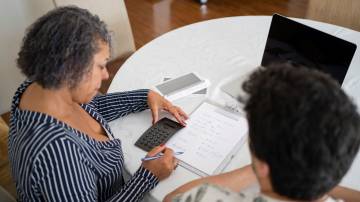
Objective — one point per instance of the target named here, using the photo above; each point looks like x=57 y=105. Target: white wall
x=16 y=15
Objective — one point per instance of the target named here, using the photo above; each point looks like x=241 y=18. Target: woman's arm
x=141 y=182
x=114 y=105
x=235 y=180
x=61 y=172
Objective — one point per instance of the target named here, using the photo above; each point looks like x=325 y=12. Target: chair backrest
x=339 y=12
x=7 y=185
x=114 y=13
x=5 y=196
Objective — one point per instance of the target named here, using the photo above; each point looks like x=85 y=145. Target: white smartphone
x=181 y=86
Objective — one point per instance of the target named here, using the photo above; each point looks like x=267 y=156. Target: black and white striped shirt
x=51 y=161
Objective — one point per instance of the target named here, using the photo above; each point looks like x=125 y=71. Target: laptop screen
x=290 y=41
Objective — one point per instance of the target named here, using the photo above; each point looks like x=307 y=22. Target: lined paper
x=209 y=137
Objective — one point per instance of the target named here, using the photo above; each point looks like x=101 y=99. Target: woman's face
x=85 y=91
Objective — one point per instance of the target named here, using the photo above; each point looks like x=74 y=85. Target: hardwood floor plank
x=152 y=18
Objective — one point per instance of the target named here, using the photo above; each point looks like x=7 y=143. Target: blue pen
x=148 y=158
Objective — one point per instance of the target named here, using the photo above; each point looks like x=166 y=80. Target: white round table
x=216 y=50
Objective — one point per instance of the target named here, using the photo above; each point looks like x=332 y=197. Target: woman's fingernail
x=162 y=145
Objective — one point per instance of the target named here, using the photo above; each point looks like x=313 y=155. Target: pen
x=148 y=158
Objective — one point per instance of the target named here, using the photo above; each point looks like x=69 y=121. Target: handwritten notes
x=210 y=136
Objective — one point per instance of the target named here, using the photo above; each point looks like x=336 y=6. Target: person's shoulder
x=214 y=193
x=41 y=137
x=57 y=143
x=35 y=144
x=57 y=134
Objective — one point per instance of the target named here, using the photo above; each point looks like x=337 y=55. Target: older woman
x=61 y=147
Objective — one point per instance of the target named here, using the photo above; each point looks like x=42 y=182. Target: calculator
x=158 y=134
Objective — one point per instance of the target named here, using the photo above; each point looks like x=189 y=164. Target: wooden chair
x=7 y=186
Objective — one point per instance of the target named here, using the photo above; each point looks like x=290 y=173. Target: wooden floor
x=152 y=18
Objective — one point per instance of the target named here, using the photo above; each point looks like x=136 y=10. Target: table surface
x=217 y=50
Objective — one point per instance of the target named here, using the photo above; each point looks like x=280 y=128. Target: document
x=210 y=139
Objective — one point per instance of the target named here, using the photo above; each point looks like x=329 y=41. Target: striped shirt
x=51 y=161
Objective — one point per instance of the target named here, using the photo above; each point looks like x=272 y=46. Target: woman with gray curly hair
x=61 y=147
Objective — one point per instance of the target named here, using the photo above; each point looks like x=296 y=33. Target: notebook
x=299 y=44
x=213 y=135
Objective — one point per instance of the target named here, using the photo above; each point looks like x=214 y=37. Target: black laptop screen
x=290 y=41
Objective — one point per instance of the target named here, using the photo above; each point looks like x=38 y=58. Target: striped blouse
x=51 y=161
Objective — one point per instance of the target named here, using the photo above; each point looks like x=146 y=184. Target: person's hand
x=163 y=166
x=156 y=103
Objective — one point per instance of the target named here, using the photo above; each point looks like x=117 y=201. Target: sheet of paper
x=209 y=137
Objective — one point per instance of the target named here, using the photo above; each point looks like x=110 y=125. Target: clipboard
x=206 y=156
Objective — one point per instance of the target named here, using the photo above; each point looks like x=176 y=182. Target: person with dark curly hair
x=61 y=147
x=304 y=133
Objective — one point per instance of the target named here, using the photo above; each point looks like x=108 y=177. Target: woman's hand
x=156 y=103
x=163 y=166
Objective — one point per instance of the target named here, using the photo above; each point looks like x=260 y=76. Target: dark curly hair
x=59 y=47
x=303 y=125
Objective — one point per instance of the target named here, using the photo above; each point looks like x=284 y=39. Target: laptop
x=299 y=44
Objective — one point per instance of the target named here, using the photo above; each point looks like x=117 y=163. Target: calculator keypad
x=158 y=134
